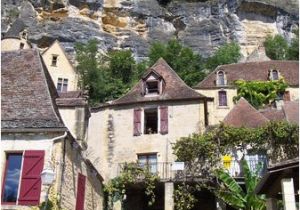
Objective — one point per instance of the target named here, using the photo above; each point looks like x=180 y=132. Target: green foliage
x=132 y=173
x=183 y=197
x=293 y=50
x=276 y=47
x=226 y=54
x=187 y=64
x=232 y=193
x=259 y=93
x=106 y=78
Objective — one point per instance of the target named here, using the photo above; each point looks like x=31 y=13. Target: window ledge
x=222 y=107
x=6 y=206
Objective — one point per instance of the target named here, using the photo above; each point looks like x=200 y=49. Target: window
x=62 y=85
x=150 y=121
x=54 y=60
x=24 y=35
x=148 y=161
x=152 y=87
x=22 y=45
x=221 y=78
x=11 y=178
x=222 y=98
x=21 y=180
x=275 y=75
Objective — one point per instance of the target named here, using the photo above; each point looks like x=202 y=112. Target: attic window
x=152 y=87
x=54 y=60
x=24 y=34
x=221 y=78
x=275 y=75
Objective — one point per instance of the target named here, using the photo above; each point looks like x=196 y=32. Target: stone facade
x=59 y=66
x=10 y=44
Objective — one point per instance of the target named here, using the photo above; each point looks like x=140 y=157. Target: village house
x=142 y=125
x=61 y=70
x=35 y=141
x=220 y=83
x=15 y=38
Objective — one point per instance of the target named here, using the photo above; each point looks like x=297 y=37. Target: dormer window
x=221 y=78
x=24 y=35
x=152 y=87
x=274 y=75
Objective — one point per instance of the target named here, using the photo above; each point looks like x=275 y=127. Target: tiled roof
x=291 y=111
x=175 y=88
x=244 y=115
x=14 y=31
x=28 y=93
x=253 y=71
x=273 y=114
x=71 y=98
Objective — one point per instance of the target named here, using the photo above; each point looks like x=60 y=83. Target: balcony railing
x=165 y=170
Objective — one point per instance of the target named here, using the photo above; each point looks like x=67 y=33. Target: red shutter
x=163 y=119
x=80 y=192
x=30 y=190
x=137 y=122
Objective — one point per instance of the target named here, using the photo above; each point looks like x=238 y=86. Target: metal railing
x=165 y=171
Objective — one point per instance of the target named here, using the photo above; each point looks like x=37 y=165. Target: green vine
x=183 y=195
x=132 y=173
x=259 y=93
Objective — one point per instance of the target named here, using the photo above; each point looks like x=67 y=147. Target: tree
x=276 y=47
x=293 y=50
x=232 y=193
x=226 y=54
x=187 y=64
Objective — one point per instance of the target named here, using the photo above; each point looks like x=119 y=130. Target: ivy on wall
x=259 y=93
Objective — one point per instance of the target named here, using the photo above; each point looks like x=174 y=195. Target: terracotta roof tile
x=291 y=111
x=253 y=71
x=244 y=115
x=28 y=92
x=273 y=114
x=175 y=88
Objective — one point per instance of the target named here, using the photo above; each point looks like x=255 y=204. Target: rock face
x=134 y=24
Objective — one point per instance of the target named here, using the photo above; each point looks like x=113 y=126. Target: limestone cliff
x=200 y=24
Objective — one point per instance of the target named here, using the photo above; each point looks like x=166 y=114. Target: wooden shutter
x=80 y=192
x=163 y=119
x=137 y=122
x=30 y=190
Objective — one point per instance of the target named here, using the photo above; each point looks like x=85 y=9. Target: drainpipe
x=61 y=164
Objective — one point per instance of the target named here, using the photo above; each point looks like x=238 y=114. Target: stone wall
x=11 y=44
x=116 y=144
x=74 y=164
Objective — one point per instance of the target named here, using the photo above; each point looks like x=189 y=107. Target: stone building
x=220 y=83
x=35 y=138
x=61 y=70
x=141 y=127
x=15 y=38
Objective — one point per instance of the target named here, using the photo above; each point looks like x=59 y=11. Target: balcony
x=167 y=172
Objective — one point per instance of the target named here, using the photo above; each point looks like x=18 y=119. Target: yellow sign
x=227 y=161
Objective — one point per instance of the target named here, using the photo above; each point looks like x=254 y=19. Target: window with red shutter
x=163 y=119
x=222 y=98
x=30 y=190
x=80 y=192
x=137 y=122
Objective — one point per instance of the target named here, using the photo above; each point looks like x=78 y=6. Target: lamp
x=47 y=176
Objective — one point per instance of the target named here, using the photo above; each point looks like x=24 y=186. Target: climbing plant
x=259 y=93
x=131 y=173
x=183 y=197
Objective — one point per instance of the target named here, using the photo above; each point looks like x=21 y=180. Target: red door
x=80 y=192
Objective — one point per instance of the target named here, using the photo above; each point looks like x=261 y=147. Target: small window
x=221 y=78
x=148 y=161
x=22 y=45
x=12 y=178
x=151 y=121
x=54 y=60
x=62 y=85
x=222 y=98
x=275 y=75
x=152 y=87
x=24 y=34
